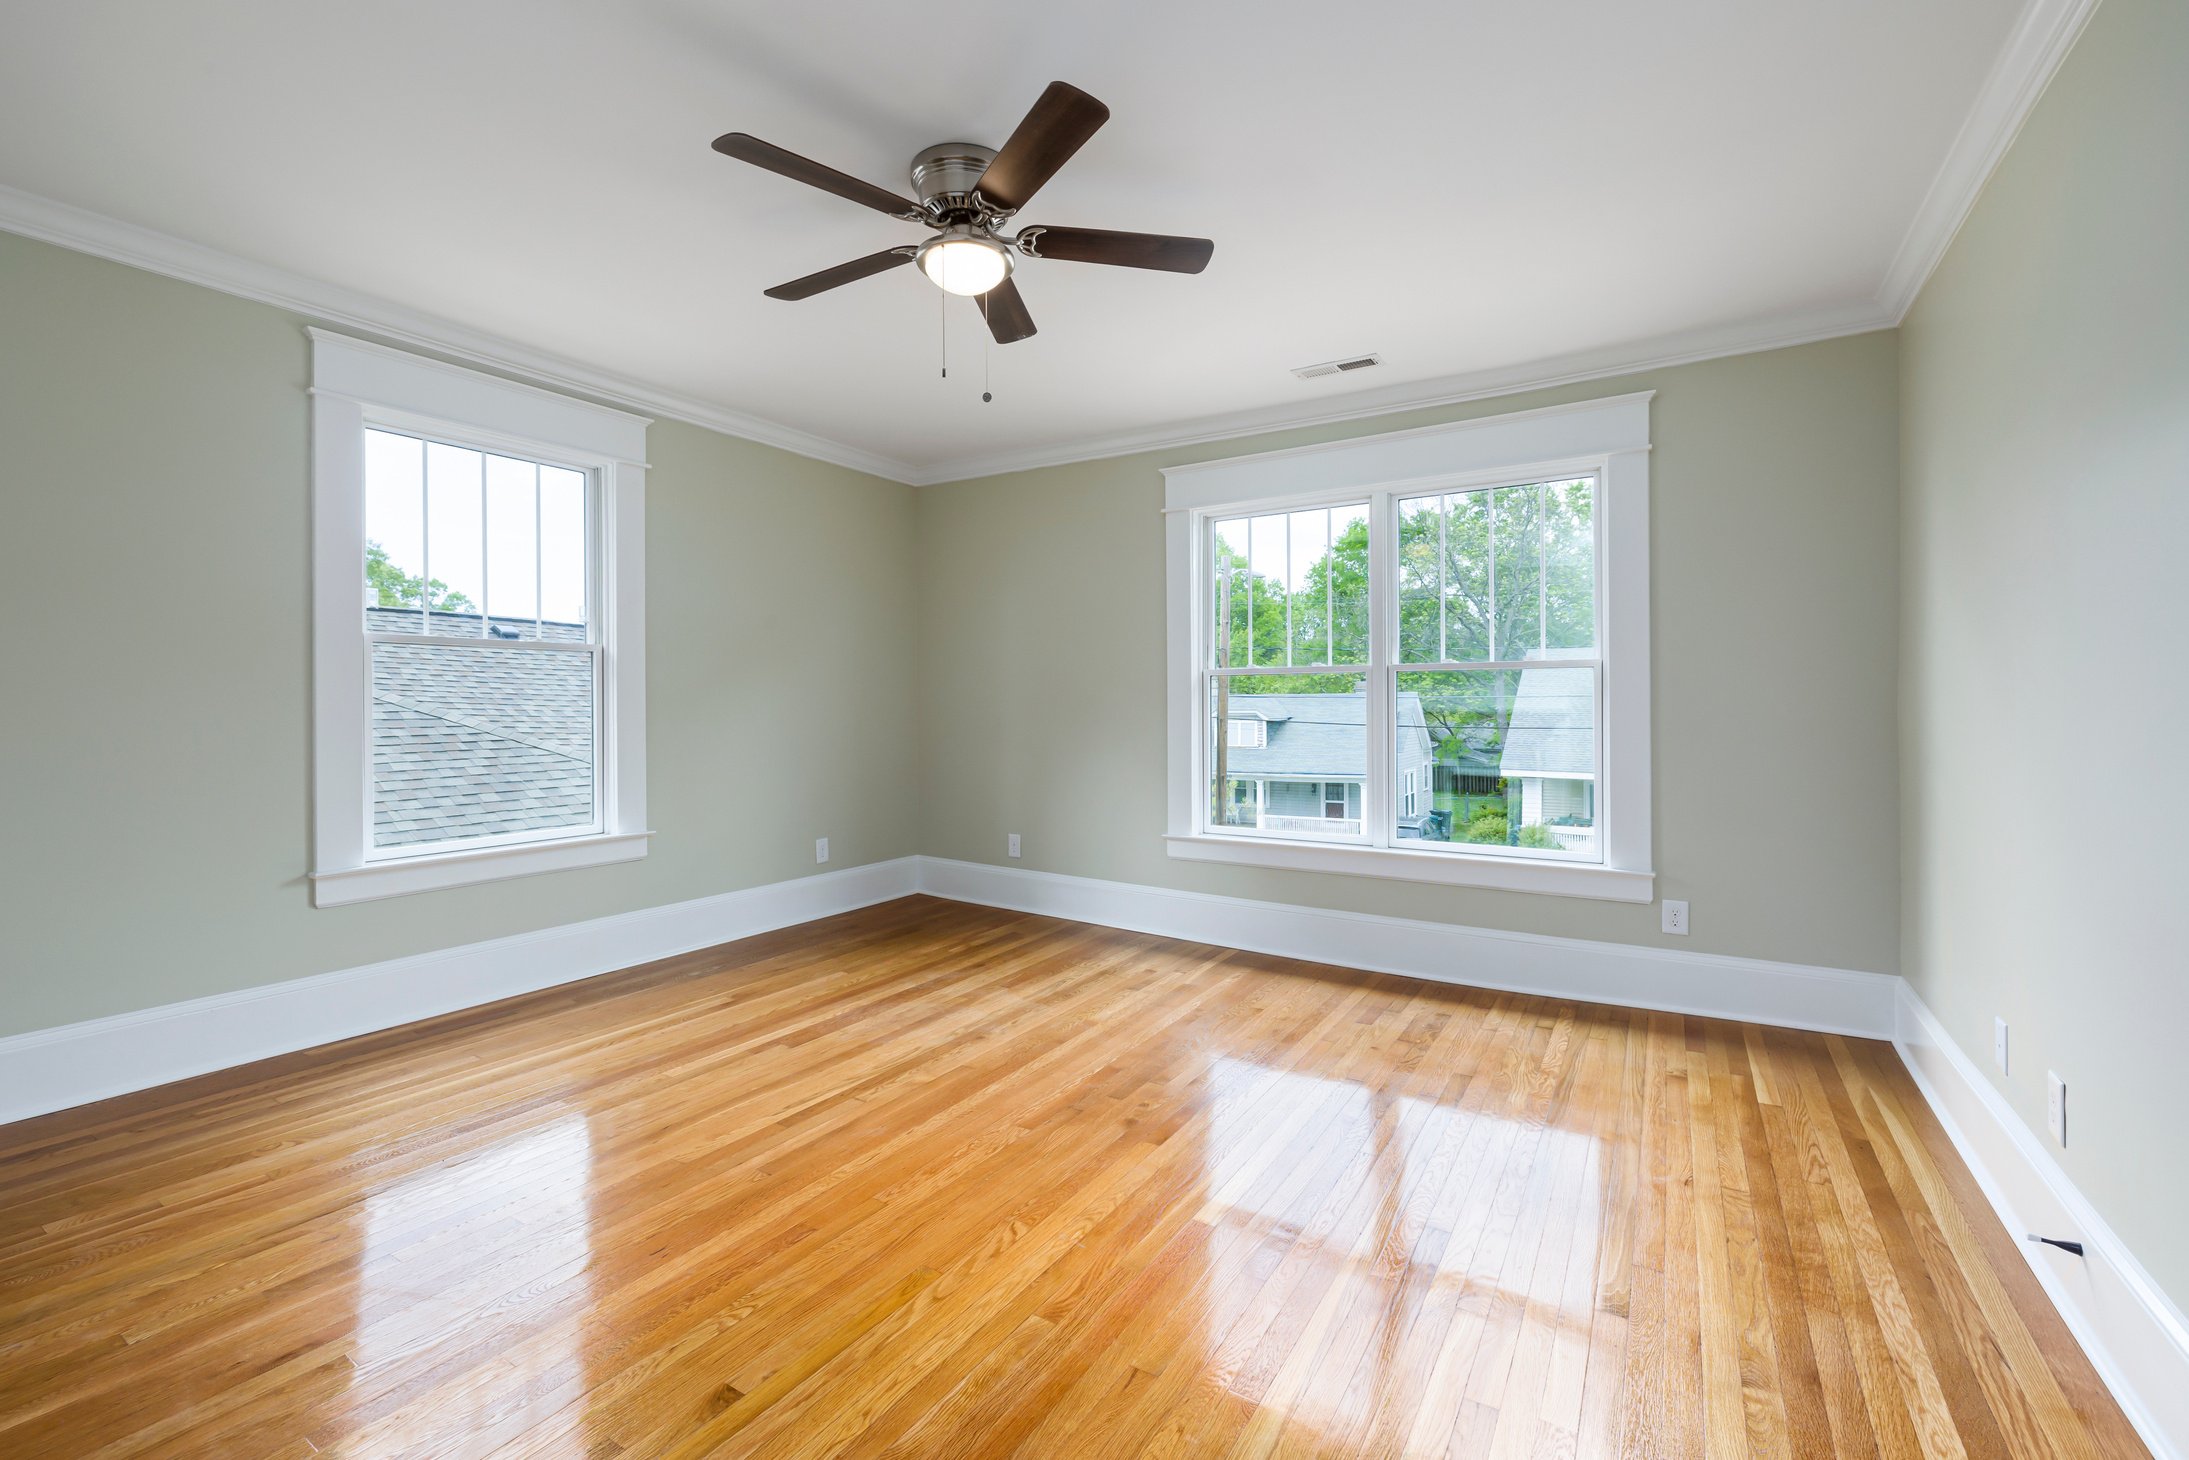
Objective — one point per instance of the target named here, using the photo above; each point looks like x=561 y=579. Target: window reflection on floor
x=1373 y=1244
x=489 y=1246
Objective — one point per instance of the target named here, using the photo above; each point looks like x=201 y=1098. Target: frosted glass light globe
x=964 y=263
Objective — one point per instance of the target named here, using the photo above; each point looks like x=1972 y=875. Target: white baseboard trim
x=2136 y=1337
x=1797 y=996
x=75 y=1064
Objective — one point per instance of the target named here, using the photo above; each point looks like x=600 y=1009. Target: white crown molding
x=2033 y=52
x=2025 y=66
x=1687 y=347
x=2039 y=42
x=177 y=258
x=2136 y=1338
x=75 y=1064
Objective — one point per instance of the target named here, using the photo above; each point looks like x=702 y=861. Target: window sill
x=458 y=869
x=1505 y=874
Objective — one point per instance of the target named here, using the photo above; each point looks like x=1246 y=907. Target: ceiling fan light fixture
x=968 y=191
x=963 y=261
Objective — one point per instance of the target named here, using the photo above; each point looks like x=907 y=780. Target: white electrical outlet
x=1675 y=918
x=820 y=849
x=1999 y=1044
x=1014 y=844
x=2056 y=1106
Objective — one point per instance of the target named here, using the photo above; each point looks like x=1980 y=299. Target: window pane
x=512 y=548
x=562 y=553
x=1509 y=757
x=1290 y=588
x=1467 y=576
x=1420 y=526
x=395 y=532
x=1444 y=578
x=1569 y=558
x=1268 y=602
x=472 y=742
x=1227 y=582
x=1517 y=565
x=455 y=552
x=1349 y=584
x=1306 y=577
x=1304 y=777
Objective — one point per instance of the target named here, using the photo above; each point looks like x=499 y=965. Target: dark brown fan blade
x=1060 y=123
x=1006 y=313
x=812 y=284
x=804 y=169
x=1129 y=250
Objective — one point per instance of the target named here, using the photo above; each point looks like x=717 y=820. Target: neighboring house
x=1550 y=751
x=1297 y=763
x=473 y=742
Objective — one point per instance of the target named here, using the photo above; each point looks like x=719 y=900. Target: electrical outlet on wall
x=1999 y=1044
x=1012 y=844
x=1675 y=918
x=2056 y=1106
x=820 y=849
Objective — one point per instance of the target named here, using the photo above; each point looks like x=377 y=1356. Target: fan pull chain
x=942 y=321
x=986 y=353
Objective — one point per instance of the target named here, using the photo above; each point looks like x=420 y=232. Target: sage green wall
x=154 y=791
x=2045 y=467
x=1774 y=617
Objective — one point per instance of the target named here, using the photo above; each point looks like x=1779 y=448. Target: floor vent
x=1332 y=367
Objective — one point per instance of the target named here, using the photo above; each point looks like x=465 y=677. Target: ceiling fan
x=968 y=193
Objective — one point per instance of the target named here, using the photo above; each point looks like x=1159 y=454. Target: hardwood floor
x=932 y=1180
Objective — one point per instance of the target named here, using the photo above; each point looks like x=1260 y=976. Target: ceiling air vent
x=1332 y=367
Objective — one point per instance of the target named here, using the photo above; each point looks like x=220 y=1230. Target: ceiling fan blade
x=1060 y=122
x=1006 y=313
x=804 y=169
x=1128 y=250
x=1163 y=252
x=857 y=269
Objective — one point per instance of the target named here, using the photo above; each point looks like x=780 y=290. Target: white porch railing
x=1324 y=825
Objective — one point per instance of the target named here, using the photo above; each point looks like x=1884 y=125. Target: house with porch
x=1550 y=755
x=1299 y=762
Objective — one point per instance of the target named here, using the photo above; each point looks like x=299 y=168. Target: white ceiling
x=1474 y=189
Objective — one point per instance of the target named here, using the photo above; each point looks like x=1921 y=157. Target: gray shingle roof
x=1319 y=737
x=477 y=742
x=1553 y=726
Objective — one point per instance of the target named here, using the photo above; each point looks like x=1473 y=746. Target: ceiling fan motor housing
x=945 y=175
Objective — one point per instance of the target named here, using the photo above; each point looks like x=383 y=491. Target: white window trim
x=356 y=385
x=1607 y=438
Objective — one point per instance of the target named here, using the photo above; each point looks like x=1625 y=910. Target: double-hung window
x=1441 y=639
x=478 y=626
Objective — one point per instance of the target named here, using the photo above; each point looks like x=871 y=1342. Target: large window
x=478 y=634
x=485 y=659
x=1439 y=640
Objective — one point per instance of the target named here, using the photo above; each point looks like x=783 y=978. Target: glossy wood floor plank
x=933 y=1180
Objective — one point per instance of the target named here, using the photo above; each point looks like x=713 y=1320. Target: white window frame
x=356 y=386
x=1606 y=439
